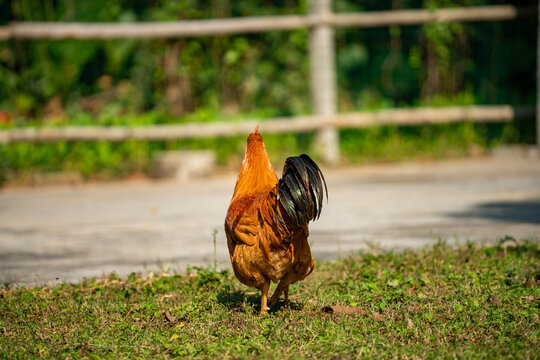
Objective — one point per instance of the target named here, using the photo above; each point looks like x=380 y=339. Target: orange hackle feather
x=256 y=172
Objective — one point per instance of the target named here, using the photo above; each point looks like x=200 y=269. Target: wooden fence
x=321 y=22
x=184 y=28
x=412 y=116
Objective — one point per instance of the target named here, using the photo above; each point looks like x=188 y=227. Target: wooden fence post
x=323 y=79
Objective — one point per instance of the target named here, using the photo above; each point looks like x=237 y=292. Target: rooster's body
x=267 y=220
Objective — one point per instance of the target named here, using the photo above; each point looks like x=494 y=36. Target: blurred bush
x=381 y=67
x=256 y=75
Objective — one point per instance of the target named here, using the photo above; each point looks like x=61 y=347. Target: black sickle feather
x=309 y=161
x=299 y=202
x=306 y=205
x=287 y=202
x=319 y=179
x=316 y=187
x=301 y=190
x=316 y=210
x=296 y=199
x=300 y=168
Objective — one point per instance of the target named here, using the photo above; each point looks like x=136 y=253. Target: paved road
x=67 y=233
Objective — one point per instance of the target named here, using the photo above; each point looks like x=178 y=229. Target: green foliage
x=136 y=82
x=442 y=302
x=392 y=143
x=244 y=73
x=237 y=73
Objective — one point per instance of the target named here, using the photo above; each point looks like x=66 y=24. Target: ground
x=54 y=234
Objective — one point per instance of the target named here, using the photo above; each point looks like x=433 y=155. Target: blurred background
x=131 y=90
x=131 y=81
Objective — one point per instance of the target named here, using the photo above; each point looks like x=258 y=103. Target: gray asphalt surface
x=53 y=234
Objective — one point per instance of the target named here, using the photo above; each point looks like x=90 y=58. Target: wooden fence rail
x=413 y=116
x=57 y=30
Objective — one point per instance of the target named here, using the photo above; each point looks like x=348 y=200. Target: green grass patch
x=465 y=302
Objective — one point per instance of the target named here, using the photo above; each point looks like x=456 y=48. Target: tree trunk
x=431 y=84
x=228 y=93
x=178 y=95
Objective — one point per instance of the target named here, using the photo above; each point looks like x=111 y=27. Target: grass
x=440 y=302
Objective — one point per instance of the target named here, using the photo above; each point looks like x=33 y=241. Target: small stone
x=184 y=165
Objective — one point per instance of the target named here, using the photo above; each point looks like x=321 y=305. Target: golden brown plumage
x=267 y=220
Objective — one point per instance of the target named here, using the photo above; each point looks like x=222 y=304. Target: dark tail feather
x=300 y=189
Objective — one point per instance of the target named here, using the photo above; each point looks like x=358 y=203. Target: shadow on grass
x=235 y=301
x=280 y=305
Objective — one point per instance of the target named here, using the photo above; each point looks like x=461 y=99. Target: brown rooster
x=267 y=220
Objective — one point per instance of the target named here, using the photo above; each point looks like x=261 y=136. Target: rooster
x=267 y=221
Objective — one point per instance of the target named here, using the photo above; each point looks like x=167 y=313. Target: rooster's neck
x=256 y=174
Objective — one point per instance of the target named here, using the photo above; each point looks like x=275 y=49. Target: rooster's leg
x=264 y=297
x=287 y=296
x=277 y=293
